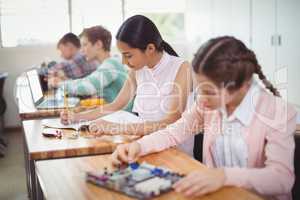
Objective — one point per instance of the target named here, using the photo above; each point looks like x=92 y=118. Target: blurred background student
x=73 y=64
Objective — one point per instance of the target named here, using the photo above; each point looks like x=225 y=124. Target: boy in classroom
x=74 y=64
x=107 y=80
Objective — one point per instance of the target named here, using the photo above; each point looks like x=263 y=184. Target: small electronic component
x=141 y=181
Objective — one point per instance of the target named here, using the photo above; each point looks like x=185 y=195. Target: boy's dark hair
x=228 y=62
x=96 y=33
x=69 y=38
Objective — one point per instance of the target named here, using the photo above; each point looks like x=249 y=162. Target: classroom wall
x=269 y=28
x=14 y=61
x=18 y=59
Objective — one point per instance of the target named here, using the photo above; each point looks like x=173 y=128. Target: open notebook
x=122 y=117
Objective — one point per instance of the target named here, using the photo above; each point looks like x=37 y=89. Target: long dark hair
x=226 y=60
x=138 y=31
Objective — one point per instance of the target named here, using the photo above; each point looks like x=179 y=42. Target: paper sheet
x=122 y=117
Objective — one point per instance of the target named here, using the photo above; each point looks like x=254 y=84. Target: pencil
x=66 y=107
x=66 y=103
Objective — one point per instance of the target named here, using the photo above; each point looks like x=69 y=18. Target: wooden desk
x=38 y=147
x=65 y=178
x=25 y=103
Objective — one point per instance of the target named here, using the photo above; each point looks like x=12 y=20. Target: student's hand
x=68 y=117
x=54 y=73
x=53 y=81
x=103 y=127
x=201 y=182
x=126 y=153
x=96 y=129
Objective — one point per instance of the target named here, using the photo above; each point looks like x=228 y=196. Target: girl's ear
x=150 y=49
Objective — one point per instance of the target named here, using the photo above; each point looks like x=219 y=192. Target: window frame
x=70 y=19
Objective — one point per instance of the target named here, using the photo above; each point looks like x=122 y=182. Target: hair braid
x=266 y=82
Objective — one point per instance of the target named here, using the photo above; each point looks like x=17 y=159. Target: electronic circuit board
x=141 y=181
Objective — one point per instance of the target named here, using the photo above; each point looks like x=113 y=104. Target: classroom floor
x=12 y=171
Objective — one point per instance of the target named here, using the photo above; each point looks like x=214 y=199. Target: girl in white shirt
x=158 y=79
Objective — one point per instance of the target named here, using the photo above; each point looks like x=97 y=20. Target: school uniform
x=154 y=91
x=255 y=145
x=106 y=81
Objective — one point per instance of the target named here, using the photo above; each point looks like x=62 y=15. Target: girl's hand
x=126 y=153
x=103 y=127
x=201 y=182
x=68 y=117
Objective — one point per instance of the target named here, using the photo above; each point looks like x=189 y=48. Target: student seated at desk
x=158 y=78
x=109 y=76
x=74 y=64
x=248 y=132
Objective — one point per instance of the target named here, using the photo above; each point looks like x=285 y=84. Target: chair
x=296 y=187
x=198 y=146
x=2 y=111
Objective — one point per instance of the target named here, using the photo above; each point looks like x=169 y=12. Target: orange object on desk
x=92 y=102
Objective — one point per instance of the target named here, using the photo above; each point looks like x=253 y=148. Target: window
x=96 y=12
x=168 y=15
x=33 y=21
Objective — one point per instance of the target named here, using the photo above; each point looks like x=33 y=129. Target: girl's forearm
x=139 y=129
x=148 y=127
x=97 y=112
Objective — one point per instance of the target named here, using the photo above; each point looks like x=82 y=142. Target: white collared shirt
x=230 y=148
x=154 y=88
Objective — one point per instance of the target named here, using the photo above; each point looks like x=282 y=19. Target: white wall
x=15 y=61
x=254 y=22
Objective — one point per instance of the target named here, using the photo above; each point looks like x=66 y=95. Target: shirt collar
x=157 y=68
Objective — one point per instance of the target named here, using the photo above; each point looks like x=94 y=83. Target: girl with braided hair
x=248 y=129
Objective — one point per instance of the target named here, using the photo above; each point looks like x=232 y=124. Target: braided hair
x=227 y=61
